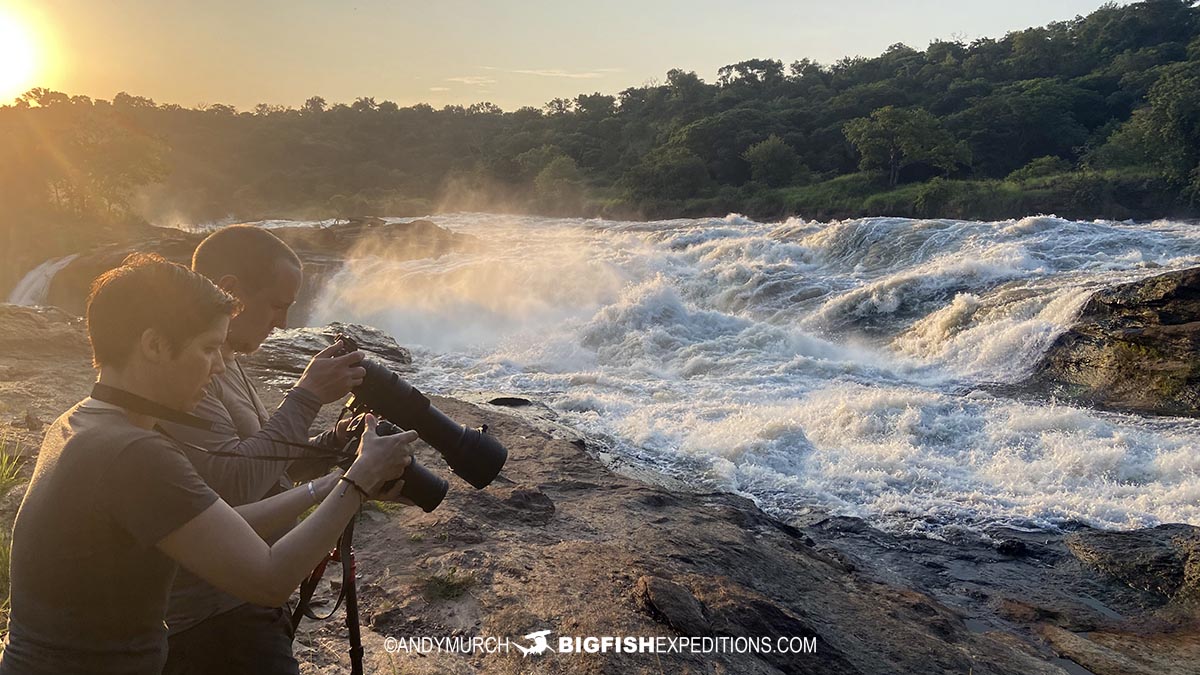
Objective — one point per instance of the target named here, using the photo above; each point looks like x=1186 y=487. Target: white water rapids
x=835 y=365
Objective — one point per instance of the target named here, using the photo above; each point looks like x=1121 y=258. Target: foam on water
x=831 y=365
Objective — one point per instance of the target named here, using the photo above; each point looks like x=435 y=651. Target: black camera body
x=473 y=454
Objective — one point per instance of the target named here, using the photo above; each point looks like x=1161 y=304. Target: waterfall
x=33 y=289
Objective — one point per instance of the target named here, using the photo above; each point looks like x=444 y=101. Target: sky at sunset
x=451 y=52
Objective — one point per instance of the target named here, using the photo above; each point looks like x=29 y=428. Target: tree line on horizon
x=1097 y=115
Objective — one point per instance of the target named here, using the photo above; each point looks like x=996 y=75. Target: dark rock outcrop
x=1133 y=348
x=25 y=244
x=323 y=251
x=673 y=604
x=1164 y=560
x=69 y=288
x=286 y=353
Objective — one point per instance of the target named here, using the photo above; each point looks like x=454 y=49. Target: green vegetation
x=448 y=585
x=893 y=138
x=1096 y=116
x=392 y=508
x=5 y=581
x=11 y=464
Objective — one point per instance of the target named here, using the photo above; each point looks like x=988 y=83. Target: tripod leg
x=349 y=572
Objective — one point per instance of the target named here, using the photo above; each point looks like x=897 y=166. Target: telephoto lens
x=421 y=486
x=473 y=454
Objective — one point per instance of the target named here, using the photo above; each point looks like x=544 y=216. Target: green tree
x=668 y=173
x=557 y=107
x=751 y=72
x=532 y=161
x=313 y=106
x=894 y=138
x=595 y=106
x=1041 y=167
x=1173 y=120
x=1019 y=122
x=559 y=185
x=1163 y=134
x=772 y=161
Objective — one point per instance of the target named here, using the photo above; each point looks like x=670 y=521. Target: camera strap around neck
x=144 y=406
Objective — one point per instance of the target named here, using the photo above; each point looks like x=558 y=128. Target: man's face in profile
x=264 y=309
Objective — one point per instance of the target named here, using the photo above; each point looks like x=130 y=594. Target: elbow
x=265 y=586
x=268 y=595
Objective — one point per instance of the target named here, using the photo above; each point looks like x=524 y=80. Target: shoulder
x=94 y=423
x=153 y=449
x=153 y=464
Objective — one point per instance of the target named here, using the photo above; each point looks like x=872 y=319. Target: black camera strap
x=144 y=406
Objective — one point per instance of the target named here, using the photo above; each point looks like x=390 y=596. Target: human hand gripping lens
x=473 y=454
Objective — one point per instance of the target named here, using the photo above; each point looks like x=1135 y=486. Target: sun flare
x=18 y=62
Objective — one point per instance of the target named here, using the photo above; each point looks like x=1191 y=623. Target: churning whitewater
x=843 y=366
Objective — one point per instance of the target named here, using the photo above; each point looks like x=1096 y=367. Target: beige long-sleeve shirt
x=242 y=427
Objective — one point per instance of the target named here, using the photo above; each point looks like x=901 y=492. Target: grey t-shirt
x=89 y=587
x=241 y=427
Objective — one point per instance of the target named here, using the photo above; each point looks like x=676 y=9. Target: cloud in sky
x=555 y=72
x=439 y=89
x=558 y=72
x=472 y=80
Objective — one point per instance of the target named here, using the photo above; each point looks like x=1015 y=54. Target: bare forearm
x=222 y=548
x=294 y=556
x=279 y=512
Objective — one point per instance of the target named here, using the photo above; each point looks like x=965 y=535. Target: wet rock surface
x=1164 y=560
x=1133 y=348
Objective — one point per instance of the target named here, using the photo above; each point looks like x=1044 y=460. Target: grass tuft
x=11 y=462
x=449 y=584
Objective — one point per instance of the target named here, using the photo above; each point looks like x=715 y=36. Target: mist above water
x=838 y=365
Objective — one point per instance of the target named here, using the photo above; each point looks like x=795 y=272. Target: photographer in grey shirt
x=211 y=631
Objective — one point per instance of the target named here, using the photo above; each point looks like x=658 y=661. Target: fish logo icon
x=540 y=646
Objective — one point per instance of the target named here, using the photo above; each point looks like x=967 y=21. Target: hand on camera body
x=381 y=460
x=341 y=430
x=330 y=375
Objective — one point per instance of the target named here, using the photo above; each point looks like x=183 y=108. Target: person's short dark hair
x=247 y=252
x=147 y=291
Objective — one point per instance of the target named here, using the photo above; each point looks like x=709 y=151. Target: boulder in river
x=1133 y=348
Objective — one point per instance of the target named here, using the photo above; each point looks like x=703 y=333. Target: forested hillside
x=1096 y=116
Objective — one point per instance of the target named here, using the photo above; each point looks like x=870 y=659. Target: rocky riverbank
x=561 y=542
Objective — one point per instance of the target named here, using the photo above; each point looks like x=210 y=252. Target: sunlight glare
x=17 y=62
